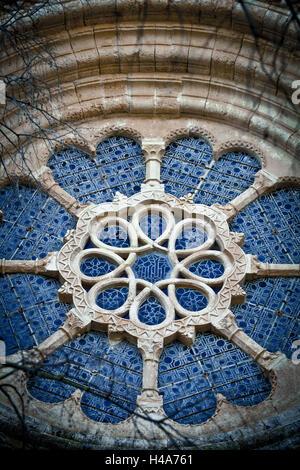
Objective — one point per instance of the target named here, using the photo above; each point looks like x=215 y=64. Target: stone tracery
x=208 y=267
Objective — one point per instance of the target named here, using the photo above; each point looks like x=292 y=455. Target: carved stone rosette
x=179 y=215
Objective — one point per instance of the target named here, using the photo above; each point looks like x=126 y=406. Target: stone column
x=46 y=266
x=150 y=401
x=256 y=269
x=73 y=326
x=153 y=150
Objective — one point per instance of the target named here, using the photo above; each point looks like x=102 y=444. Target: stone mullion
x=263 y=183
x=257 y=269
x=150 y=400
x=73 y=327
x=226 y=326
x=52 y=188
x=46 y=266
x=153 y=150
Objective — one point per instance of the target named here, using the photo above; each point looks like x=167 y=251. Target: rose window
x=164 y=297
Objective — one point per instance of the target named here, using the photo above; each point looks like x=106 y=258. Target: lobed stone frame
x=217 y=318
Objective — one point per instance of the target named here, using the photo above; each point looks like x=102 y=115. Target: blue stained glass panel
x=111 y=299
x=191 y=299
x=151 y=312
x=190 y=238
x=271 y=225
x=153 y=226
x=29 y=310
x=94 y=266
x=114 y=235
x=190 y=377
x=117 y=166
x=110 y=377
x=188 y=167
x=33 y=223
x=152 y=267
x=271 y=313
x=207 y=268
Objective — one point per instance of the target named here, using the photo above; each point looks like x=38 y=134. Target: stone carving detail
x=187 y=198
x=73 y=324
x=190 y=132
x=263 y=183
x=239 y=145
x=76 y=141
x=256 y=269
x=46 y=266
x=123 y=321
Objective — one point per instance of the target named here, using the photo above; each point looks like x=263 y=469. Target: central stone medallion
x=150 y=264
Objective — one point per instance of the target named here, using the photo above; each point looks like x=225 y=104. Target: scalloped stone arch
x=288 y=181
x=198 y=132
x=240 y=146
x=115 y=130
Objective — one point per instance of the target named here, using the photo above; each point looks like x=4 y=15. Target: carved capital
x=74 y=325
x=229 y=210
x=189 y=197
x=225 y=325
x=150 y=349
x=153 y=149
x=264 y=182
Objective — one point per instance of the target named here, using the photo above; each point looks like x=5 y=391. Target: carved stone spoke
x=226 y=326
x=51 y=187
x=150 y=400
x=46 y=266
x=73 y=327
x=263 y=183
x=256 y=269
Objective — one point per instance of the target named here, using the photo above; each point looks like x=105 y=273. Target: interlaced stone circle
x=193 y=239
